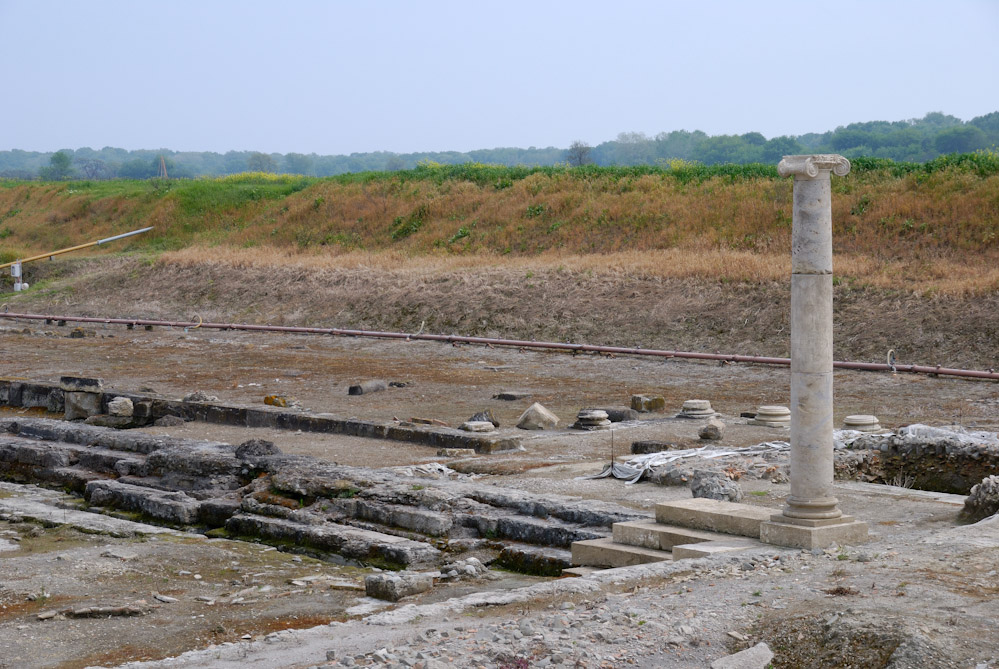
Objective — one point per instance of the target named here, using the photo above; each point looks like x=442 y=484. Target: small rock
x=255 y=448
x=169 y=421
x=166 y=599
x=537 y=418
x=757 y=657
x=714 y=430
x=394 y=586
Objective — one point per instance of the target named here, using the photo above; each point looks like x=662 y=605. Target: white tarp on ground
x=634 y=469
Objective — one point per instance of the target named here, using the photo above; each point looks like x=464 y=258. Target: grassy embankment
x=930 y=228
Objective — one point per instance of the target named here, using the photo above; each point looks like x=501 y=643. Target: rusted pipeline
x=515 y=343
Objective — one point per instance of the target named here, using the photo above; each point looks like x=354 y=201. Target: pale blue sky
x=339 y=77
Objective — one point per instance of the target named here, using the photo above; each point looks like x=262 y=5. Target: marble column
x=812 y=517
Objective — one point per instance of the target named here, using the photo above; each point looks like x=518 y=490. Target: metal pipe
x=77 y=248
x=990 y=374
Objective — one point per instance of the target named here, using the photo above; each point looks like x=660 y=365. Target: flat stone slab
x=39 y=505
x=715 y=516
x=709 y=548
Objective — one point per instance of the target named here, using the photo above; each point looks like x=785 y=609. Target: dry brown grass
x=929 y=233
x=940 y=277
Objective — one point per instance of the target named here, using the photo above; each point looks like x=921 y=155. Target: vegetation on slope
x=930 y=226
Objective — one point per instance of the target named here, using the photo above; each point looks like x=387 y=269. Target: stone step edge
x=667 y=535
x=715 y=516
x=618 y=555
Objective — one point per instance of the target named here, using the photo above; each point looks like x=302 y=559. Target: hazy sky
x=339 y=77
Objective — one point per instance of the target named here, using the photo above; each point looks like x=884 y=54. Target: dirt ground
x=60 y=567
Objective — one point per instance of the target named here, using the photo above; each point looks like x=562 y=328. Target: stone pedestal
x=812 y=518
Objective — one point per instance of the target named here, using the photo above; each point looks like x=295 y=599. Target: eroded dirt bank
x=557 y=304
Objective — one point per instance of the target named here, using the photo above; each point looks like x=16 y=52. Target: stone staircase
x=683 y=529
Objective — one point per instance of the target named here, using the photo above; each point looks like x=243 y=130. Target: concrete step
x=715 y=516
x=651 y=534
x=605 y=553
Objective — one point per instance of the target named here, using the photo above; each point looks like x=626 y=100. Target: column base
x=798 y=533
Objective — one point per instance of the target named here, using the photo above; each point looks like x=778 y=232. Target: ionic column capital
x=808 y=167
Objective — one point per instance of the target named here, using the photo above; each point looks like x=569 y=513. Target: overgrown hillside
x=928 y=227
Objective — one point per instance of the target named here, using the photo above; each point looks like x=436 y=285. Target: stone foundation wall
x=147 y=409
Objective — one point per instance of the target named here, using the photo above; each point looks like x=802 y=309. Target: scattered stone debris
x=592 y=419
x=467 y=569
x=537 y=418
x=983 y=500
x=648 y=403
x=714 y=485
x=511 y=395
x=714 y=430
x=485 y=415
x=366 y=387
x=200 y=396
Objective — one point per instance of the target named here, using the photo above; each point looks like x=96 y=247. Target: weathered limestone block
x=393 y=587
x=171 y=507
x=537 y=418
x=121 y=406
x=647 y=403
x=350 y=542
x=82 y=404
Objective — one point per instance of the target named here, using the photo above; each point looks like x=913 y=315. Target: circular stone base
x=862 y=423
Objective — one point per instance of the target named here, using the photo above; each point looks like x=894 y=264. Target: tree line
x=914 y=140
